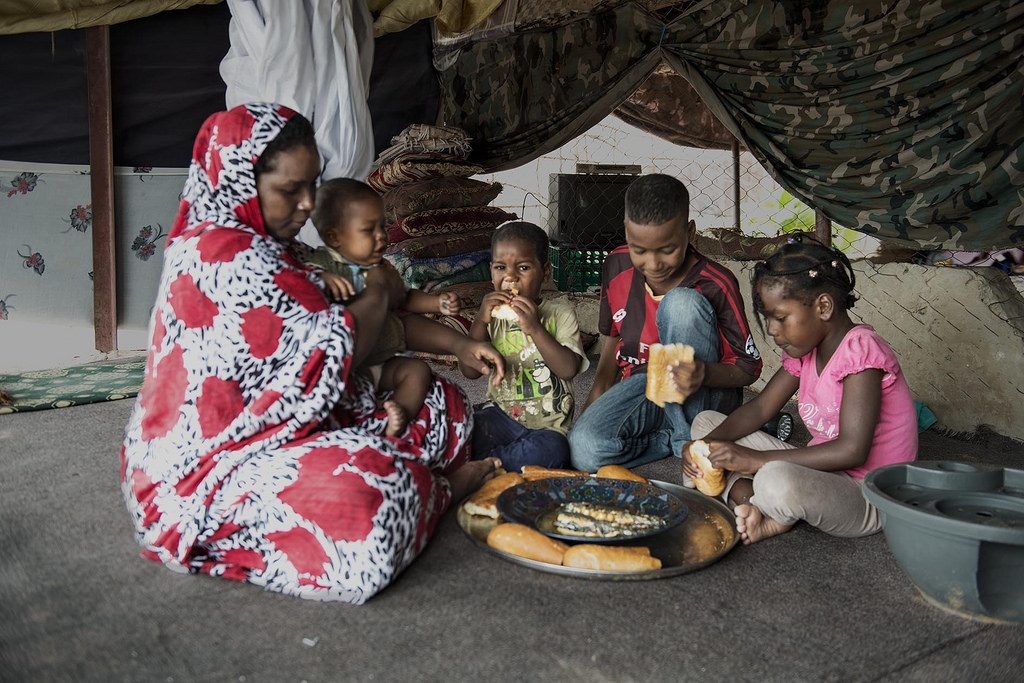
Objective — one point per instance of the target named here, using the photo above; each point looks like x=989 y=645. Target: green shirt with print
x=530 y=393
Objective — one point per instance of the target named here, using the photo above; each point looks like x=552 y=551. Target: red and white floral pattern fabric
x=252 y=453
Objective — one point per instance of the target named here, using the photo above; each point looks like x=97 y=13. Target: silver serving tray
x=706 y=535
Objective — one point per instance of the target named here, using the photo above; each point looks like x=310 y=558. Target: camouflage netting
x=666 y=105
x=900 y=119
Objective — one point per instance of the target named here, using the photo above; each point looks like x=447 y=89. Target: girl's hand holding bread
x=735 y=458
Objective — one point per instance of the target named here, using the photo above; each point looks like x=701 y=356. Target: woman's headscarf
x=221 y=185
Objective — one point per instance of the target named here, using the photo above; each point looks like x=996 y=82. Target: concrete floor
x=78 y=603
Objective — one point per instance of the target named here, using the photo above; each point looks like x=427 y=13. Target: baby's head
x=519 y=258
x=800 y=289
x=349 y=216
x=658 y=228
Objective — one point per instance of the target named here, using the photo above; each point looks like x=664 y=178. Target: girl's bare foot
x=741 y=492
x=471 y=476
x=397 y=419
x=755 y=526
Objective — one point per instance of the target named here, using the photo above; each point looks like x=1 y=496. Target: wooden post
x=736 y=181
x=822 y=228
x=101 y=173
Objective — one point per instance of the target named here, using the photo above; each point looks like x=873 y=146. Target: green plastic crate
x=576 y=270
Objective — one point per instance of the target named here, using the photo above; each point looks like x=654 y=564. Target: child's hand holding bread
x=710 y=480
x=673 y=373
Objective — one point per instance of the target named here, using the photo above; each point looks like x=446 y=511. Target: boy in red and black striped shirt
x=658 y=288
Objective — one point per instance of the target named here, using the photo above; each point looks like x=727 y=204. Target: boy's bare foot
x=397 y=419
x=471 y=476
x=755 y=526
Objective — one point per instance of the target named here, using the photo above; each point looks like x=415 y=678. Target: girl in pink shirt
x=853 y=399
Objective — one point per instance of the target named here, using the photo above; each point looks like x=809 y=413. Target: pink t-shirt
x=862 y=349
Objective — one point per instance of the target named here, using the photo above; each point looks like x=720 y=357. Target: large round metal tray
x=704 y=537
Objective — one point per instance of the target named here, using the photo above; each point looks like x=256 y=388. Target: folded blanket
x=420 y=138
x=437 y=193
x=481 y=272
x=411 y=167
x=449 y=222
x=417 y=273
x=435 y=246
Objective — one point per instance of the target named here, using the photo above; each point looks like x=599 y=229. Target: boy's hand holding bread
x=495 y=305
x=673 y=373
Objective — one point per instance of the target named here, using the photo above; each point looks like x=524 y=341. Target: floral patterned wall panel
x=46 y=241
x=147 y=204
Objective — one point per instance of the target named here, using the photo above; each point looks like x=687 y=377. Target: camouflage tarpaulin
x=899 y=119
x=667 y=106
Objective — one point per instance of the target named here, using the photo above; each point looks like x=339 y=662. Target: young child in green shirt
x=529 y=413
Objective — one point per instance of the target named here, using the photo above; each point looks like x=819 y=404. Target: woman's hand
x=448 y=303
x=385 y=277
x=483 y=358
x=337 y=287
x=490 y=302
x=726 y=455
x=688 y=377
x=529 y=318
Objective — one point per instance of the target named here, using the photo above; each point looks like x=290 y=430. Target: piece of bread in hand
x=661 y=385
x=611 y=558
x=535 y=472
x=504 y=311
x=620 y=472
x=712 y=480
x=485 y=501
x=522 y=541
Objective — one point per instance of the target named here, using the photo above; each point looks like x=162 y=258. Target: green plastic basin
x=957 y=530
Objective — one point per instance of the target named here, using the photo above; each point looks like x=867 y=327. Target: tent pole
x=822 y=228
x=101 y=173
x=736 y=181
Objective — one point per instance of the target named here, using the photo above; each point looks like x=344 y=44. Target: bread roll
x=661 y=387
x=535 y=472
x=712 y=480
x=523 y=541
x=504 y=311
x=484 y=501
x=611 y=558
x=620 y=472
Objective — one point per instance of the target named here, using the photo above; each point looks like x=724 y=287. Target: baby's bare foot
x=397 y=419
x=471 y=476
x=755 y=526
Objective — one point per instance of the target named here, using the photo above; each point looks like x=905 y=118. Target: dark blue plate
x=534 y=503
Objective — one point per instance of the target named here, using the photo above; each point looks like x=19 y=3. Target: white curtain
x=314 y=56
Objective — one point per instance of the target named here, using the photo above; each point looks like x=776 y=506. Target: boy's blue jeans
x=495 y=434
x=622 y=427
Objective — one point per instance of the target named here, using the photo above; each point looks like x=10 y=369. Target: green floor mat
x=107 y=380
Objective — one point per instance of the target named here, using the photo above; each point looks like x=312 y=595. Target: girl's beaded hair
x=805 y=269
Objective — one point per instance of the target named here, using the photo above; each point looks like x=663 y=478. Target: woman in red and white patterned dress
x=252 y=453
